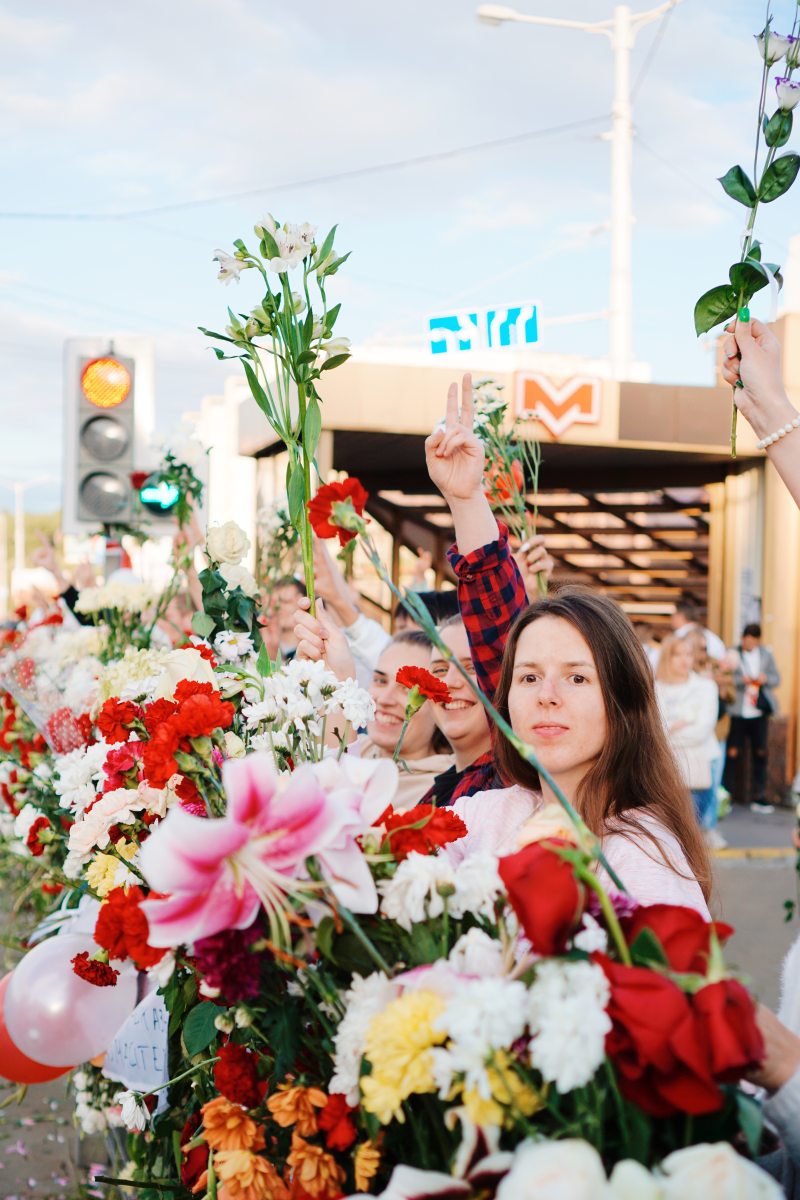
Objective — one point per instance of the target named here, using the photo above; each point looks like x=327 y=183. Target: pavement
x=41 y=1158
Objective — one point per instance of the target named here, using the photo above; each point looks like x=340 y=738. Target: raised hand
x=752 y=354
x=534 y=562
x=454 y=455
x=318 y=638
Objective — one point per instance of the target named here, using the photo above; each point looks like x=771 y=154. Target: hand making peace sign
x=455 y=456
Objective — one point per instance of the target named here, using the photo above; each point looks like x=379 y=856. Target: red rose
x=122 y=929
x=544 y=894
x=236 y=1076
x=115 y=719
x=727 y=1016
x=320 y=508
x=422 y=829
x=684 y=935
x=426 y=684
x=98 y=973
x=335 y=1121
x=657 y=1045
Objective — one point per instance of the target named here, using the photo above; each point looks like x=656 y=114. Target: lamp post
x=621 y=30
x=19 y=489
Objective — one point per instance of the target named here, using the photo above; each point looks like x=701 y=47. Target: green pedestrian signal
x=159 y=496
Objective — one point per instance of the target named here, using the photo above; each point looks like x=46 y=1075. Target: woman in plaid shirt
x=573 y=681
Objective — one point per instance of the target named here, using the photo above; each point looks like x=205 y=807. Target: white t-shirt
x=494 y=819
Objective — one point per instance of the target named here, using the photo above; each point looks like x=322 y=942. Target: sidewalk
x=750 y=834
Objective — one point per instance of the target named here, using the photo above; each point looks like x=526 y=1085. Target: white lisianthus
x=788 y=93
x=555 y=1170
x=162 y=972
x=793 y=53
x=475 y=953
x=230 y=267
x=237 y=576
x=568 y=1021
x=772 y=46
x=231 y=644
x=364 y=999
x=414 y=893
x=706 y=1170
x=227 y=543
x=90 y=1120
x=134 y=1113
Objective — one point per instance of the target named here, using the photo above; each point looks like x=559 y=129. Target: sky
x=163 y=131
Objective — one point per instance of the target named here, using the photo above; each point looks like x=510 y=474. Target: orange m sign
x=576 y=401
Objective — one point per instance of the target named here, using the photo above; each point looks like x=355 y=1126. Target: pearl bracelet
x=778 y=434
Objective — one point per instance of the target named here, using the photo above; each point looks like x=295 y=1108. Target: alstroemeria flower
x=772 y=46
x=217 y=872
x=229 y=266
x=788 y=93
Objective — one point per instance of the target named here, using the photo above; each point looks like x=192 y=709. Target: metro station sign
x=558 y=406
x=485 y=329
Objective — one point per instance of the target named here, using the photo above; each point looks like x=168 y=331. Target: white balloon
x=57 y=1018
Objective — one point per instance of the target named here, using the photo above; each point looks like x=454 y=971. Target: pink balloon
x=15 y=1066
x=55 y=1017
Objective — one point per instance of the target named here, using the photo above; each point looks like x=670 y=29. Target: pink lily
x=219 y=871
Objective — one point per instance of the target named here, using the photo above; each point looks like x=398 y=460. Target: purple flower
x=772 y=46
x=226 y=962
x=623 y=905
x=788 y=93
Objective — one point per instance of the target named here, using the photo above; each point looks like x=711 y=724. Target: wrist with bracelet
x=781 y=432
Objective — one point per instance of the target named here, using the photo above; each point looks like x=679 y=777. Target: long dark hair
x=636 y=770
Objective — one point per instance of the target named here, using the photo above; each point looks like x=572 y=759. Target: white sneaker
x=714 y=839
x=758 y=807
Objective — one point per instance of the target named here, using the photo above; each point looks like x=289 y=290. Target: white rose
x=631 y=1181
x=236 y=576
x=699 y=1172
x=182 y=664
x=227 y=543
x=234 y=746
x=555 y=1171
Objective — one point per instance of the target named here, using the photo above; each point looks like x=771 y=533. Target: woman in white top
x=576 y=686
x=689 y=705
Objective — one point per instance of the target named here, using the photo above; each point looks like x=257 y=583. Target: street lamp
x=621 y=30
x=19 y=488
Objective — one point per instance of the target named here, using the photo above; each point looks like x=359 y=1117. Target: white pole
x=5 y=606
x=621 y=292
x=19 y=529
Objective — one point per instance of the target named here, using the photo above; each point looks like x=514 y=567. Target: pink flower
x=218 y=871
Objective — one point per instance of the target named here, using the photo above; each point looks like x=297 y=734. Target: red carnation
x=236 y=1076
x=202 y=649
x=501 y=484
x=200 y=712
x=335 y=1121
x=195 y=1161
x=657 y=1045
x=422 y=829
x=115 y=719
x=684 y=936
x=727 y=1016
x=427 y=686
x=98 y=973
x=156 y=713
x=122 y=929
x=320 y=508
x=544 y=894
x=32 y=840
x=158 y=755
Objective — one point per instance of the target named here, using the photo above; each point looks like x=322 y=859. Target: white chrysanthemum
x=125 y=597
x=231 y=645
x=135 y=1116
x=482 y=1016
x=477 y=886
x=76 y=775
x=364 y=999
x=133 y=676
x=475 y=953
x=568 y=1021
x=356 y=704
x=413 y=893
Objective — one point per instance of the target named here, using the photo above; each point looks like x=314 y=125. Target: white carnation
x=477 y=886
x=568 y=1021
x=413 y=893
x=475 y=953
x=356 y=704
x=591 y=937
x=76 y=775
x=482 y=1016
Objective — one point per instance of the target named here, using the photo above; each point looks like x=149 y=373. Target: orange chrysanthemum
x=366 y=1161
x=316 y=1172
x=246 y=1176
x=297 y=1106
x=226 y=1126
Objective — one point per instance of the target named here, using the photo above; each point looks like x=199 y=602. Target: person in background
x=424 y=753
x=463 y=722
x=685 y=620
x=648 y=642
x=283 y=604
x=755 y=675
x=689 y=706
x=84 y=576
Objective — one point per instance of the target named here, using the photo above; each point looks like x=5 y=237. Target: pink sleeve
x=493 y=820
x=647 y=876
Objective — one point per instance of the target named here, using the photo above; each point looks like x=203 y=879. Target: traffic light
x=108 y=430
x=158 y=496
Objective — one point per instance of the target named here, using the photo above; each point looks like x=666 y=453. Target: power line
x=651 y=53
x=356 y=173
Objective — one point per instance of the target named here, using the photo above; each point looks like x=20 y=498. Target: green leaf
x=326 y=246
x=198 y=1029
x=239 y=244
x=330 y=319
x=283 y=1033
x=738 y=186
x=202 y=624
x=646 y=948
x=307 y=356
x=750 y=1120
x=337 y=262
x=755 y=251
x=778 y=129
x=295 y=492
x=264 y=662
x=714 y=307
x=259 y=395
x=324 y=936
x=778 y=177
x=751 y=276
x=335 y=361
x=269 y=247
x=312 y=427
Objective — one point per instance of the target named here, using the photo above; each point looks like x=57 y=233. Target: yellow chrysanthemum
x=510 y=1097
x=101 y=874
x=398 y=1045
x=366 y=1161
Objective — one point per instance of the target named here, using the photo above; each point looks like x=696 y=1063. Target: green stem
x=611 y=919
x=396 y=754
x=306 y=540
x=354 y=927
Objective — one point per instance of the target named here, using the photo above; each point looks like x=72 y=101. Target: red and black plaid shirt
x=491 y=595
x=479 y=776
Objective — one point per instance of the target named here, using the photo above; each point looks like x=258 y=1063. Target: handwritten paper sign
x=138 y=1055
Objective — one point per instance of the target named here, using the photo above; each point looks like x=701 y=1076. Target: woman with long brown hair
x=575 y=684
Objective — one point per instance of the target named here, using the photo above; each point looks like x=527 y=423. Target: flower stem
x=611 y=919
x=354 y=927
x=396 y=754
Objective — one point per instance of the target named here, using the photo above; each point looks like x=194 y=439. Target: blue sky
x=111 y=109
